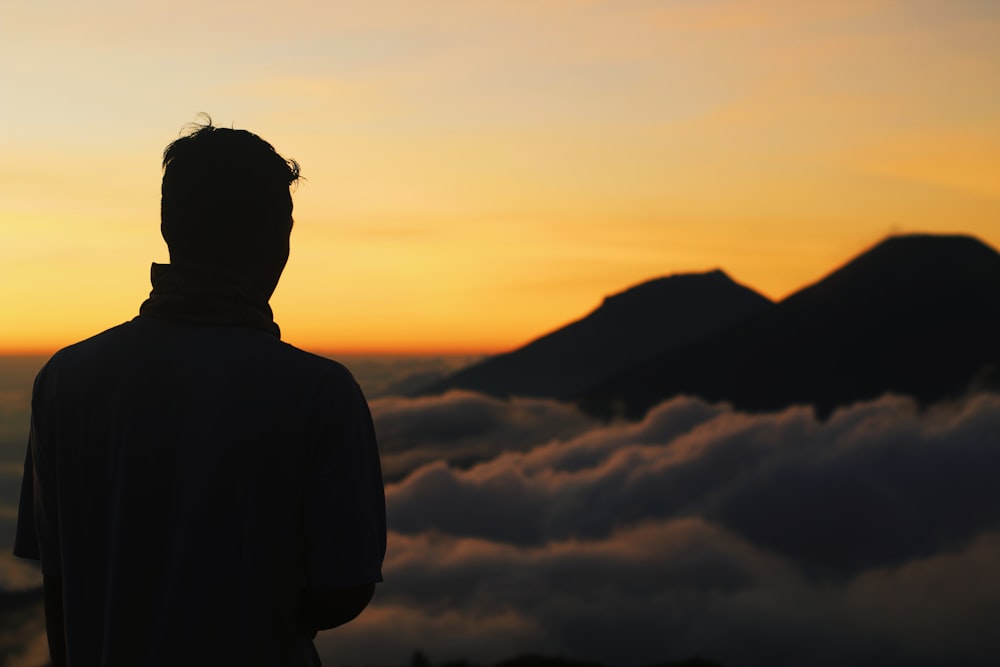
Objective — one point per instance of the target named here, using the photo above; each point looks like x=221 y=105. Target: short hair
x=221 y=186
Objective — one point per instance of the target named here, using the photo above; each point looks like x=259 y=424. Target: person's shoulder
x=83 y=358
x=317 y=366
x=85 y=348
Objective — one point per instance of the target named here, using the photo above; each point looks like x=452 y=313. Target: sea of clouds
x=868 y=538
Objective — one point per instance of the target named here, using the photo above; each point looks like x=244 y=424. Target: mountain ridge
x=629 y=326
x=913 y=314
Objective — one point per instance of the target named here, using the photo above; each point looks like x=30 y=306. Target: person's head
x=226 y=202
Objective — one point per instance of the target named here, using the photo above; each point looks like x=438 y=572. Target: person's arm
x=37 y=531
x=344 y=510
x=328 y=609
x=54 y=626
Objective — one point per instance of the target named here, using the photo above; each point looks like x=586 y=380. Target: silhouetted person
x=197 y=491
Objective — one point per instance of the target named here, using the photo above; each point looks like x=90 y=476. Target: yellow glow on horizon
x=483 y=172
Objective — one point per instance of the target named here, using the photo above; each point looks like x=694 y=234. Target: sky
x=481 y=172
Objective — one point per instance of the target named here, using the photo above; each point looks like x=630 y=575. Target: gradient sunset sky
x=481 y=172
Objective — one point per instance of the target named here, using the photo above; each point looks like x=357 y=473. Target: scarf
x=202 y=294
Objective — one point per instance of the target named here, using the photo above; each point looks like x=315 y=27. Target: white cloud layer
x=461 y=428
x=871 y=538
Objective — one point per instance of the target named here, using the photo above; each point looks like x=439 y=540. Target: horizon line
x=321 y=351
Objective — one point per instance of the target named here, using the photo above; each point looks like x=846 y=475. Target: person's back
x=199 y=492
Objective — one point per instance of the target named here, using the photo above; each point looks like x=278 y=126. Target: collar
x=201 y=294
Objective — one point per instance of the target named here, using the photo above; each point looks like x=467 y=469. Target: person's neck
x=205 y=294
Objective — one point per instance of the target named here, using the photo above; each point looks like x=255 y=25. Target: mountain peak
x=910 y=263
x=905 y=249
x=628 y=327
x=927 y=239
x=916 y=314
x=663 y=286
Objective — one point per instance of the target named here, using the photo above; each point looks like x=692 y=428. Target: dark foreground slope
x=916 y=315
x=538 y=660
x=628 y=327
x=533 y=660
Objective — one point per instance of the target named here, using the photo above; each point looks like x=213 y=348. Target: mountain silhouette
x=916 y=315
x=627 y=328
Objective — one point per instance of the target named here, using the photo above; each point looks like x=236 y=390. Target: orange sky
x=481 y=172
